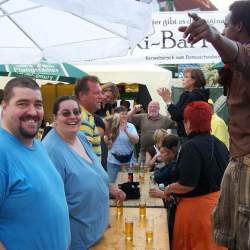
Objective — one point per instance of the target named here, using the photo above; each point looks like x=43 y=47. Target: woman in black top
x=193 y=83
x=200 y=166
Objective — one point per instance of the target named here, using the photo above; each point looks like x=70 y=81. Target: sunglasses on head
x=68 y=113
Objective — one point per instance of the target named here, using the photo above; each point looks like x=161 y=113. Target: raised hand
x=137 y=108
x=199 y=29
x=165 y=94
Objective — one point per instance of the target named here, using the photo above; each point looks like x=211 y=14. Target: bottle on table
x=142 y=172
x=130 y=173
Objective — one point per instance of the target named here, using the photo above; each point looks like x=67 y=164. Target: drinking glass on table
x=119 y=208
x=142 y=208
x=149 y=232
x=129 y=224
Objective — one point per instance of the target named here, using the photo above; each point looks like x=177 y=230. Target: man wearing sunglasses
x=33 y=208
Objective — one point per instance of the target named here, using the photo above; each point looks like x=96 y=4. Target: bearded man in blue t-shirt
x=33 y=208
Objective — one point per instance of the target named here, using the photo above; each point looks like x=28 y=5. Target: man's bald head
x=153 y=109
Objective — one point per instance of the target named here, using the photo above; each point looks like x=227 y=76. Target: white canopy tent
x=152 y=76
x=70 y=30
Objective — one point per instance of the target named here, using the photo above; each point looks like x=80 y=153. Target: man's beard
x=27 y=134
x=24 y=132
x=154 y=114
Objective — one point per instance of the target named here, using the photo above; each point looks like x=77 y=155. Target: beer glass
x=142 y=209
x=149 y=233
x=129 y=229
x=119 y=208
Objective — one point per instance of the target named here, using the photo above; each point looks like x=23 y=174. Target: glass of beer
x=142 y=209
x=129 y=229
x=119 y=208
x=149 y=230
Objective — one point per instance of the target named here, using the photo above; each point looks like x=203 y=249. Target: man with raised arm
x=148 y=123
x=231 y=217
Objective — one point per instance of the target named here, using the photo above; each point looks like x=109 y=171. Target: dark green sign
x=45 y=71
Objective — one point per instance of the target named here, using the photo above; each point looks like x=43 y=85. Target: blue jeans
x=113 y=170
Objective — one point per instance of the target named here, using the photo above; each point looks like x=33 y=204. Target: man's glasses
x=68 y=113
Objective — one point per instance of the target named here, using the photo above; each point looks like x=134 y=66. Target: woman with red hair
x=200 y=166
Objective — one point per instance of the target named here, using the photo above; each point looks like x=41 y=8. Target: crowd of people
x=54 y=193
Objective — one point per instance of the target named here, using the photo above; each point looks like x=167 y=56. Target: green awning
x=46 y=71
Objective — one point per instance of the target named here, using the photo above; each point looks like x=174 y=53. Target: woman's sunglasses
x=68 y=113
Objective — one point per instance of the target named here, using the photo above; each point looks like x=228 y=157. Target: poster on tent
x=167 y=45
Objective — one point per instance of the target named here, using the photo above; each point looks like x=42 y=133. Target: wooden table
x=144 y=188
x=114 y=237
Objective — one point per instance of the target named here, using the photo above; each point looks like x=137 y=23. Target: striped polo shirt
x=88 y=126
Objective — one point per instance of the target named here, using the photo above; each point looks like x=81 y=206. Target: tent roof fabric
x=32 y=30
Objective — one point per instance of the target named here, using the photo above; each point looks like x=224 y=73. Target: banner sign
x=63 y=72
x=167 y=45
x=43 y=71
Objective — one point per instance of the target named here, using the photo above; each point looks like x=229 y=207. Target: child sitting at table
x=153 y=157
x=168 y=153
x=166 y=176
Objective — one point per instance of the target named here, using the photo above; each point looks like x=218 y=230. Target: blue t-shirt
x=122 y=145
x=33 y=208
x=86 y=187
